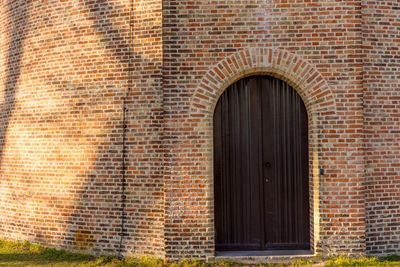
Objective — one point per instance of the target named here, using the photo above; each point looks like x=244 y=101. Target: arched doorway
x=261 y=167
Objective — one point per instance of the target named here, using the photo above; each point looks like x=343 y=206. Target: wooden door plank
x=289 y=146
x=238 y=220
x=261 y=120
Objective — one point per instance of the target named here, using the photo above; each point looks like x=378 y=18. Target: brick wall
x=199 y=35
x=65 y=69
x=381 y=32
x=145 y=205
x=68 y=69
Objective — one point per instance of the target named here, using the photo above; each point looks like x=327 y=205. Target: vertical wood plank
x=261 y=167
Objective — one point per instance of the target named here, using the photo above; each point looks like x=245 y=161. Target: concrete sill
x=264 y=256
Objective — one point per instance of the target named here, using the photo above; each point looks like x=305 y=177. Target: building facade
x=107 y=118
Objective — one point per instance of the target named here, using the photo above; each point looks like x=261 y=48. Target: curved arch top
x=297 y=72
x=302 y=76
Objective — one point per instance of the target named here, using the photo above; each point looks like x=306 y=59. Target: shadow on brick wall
x=80 y=207
x=17 y=11
x=104 y=177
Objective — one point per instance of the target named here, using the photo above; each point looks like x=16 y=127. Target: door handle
x=267 y=164
x=266 y=180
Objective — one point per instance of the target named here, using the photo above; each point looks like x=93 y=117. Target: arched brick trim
x=297 y=72
x=303 y=77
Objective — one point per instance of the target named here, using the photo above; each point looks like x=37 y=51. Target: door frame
x=306 y=81
x=189 y=167
x=262 y=194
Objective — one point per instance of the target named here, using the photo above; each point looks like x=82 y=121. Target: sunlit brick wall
x=64 y=71
x=67 y=67
x=145 y=205
x=381 y=33
x=198 y=35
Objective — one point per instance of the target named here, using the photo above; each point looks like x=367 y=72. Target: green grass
x=26 y=254
x=367 y=261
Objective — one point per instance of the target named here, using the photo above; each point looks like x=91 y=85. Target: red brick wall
x=198 y=35
x=145 y=205
x=65 y=68
x=381 y=32
x=68 y=68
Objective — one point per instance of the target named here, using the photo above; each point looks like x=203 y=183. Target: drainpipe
x=123 y=232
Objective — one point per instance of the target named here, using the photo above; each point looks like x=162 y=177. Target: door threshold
x=251 y=253
x=264 y=256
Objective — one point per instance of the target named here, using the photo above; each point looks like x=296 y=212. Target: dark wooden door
x=261 y=167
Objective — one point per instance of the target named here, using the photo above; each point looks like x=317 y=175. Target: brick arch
x=297 y=72
x=304 y=78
